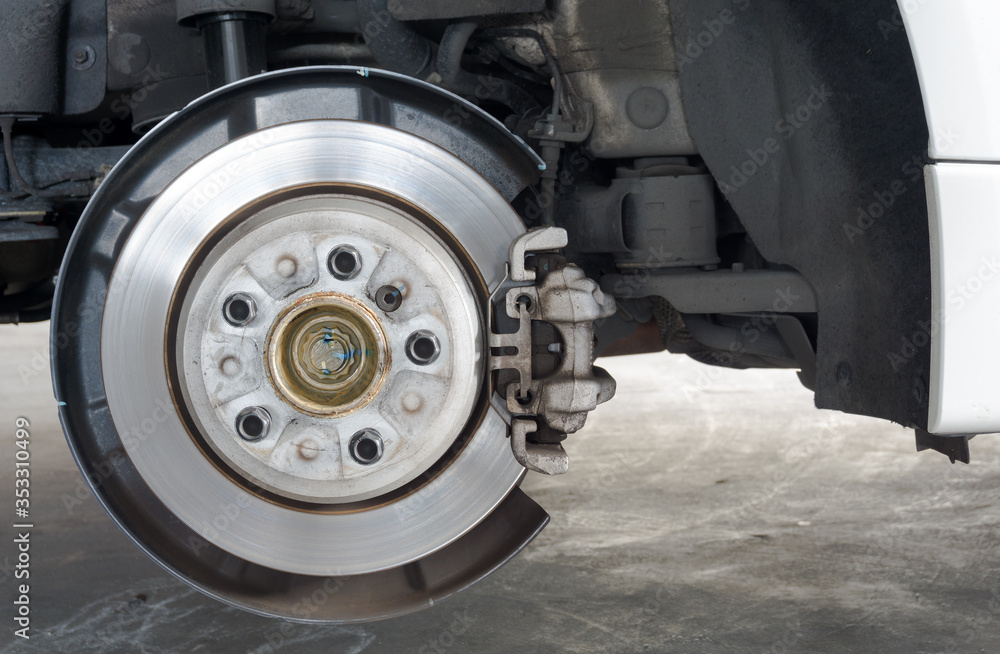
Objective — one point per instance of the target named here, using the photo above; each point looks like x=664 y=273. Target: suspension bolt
x=366 y=447
x=239 y=309
x=253 y=423
x=344 y=262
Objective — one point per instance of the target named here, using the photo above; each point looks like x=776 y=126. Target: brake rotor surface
x=295 y=234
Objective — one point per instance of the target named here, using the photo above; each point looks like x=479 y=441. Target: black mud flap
x=809 y=115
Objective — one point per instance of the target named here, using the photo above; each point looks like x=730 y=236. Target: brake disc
x=287 y=283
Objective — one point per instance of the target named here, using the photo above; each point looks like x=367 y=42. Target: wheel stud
x=422 y=347
x=239 y=309
x=253 y=423
x=344 y=262
x=388 y=298
x=366 y=447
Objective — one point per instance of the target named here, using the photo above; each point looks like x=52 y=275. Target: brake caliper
x=545 y=369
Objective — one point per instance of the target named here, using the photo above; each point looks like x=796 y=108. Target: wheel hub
x=317 y=350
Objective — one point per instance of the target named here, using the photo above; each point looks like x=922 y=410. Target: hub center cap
x=327 y=354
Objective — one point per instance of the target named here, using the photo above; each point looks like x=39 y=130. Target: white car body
x=957 y=55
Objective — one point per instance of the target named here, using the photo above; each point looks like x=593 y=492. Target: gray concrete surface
x=705 y=511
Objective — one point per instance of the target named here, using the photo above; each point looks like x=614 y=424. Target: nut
x=366 y=447
x=344 y=262
x=253 y=423
x=423 y=347
x=239 y=309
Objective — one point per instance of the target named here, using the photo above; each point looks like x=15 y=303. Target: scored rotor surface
x=155 y=259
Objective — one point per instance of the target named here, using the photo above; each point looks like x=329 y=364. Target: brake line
x=7 y=126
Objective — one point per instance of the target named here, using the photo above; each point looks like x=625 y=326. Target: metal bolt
x=388 y=298
x=422 y=347
x=239 y=309
x=82 y=57
x=253 y=423
x=344 y=262
x=366 y=447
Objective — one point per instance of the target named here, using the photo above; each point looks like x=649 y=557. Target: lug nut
x=239 y=309
x=422 y=347
x=388 y=298
x=366 y=447
x=344 y=262
x=253 y=423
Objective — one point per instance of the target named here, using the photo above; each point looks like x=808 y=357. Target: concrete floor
x=705 y=511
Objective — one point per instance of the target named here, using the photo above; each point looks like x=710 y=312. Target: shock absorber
x=234 y=33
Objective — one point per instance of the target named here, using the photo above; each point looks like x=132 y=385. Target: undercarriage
x=327 y=278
